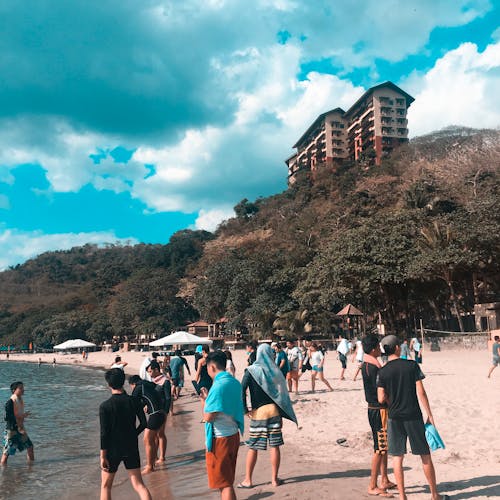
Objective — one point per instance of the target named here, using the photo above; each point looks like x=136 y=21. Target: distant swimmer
x=39 y=361
x=119 y=363
x=119 y=434
x=54 y=362
x=16 y=437
x=496 y=354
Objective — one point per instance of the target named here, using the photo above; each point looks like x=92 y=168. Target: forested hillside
x=417 y=237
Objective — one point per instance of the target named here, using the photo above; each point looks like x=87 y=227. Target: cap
x=389 y=341
x=273 y=344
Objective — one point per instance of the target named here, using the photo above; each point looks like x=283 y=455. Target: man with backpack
x=152 y=397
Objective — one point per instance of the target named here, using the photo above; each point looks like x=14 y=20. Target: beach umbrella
x=73 y=344
x=180 y=338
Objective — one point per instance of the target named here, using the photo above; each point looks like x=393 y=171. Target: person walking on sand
x=164 y=390
x=177 y=363
x=317 y=359
x=224 y=422
x=270 y=402
x=294 y=356
x=342 y=350
x=377 y=417
x=16 y=437
x=400 y=386
x=149 y=397
x=230 y=368
x=281 y=358
x=118 y=416
x=358 y=356
x=496 y=354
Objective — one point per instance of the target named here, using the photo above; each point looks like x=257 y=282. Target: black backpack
x=165 y=393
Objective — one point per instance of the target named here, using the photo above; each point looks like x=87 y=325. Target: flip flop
x=244 y=486
x=342 y=442
x=390 y=486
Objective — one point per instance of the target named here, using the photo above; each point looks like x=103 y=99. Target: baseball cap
x=274 y=344
x=389 y=341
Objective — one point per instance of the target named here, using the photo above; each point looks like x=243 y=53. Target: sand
x=464 y=402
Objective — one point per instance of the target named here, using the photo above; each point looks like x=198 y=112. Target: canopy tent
x=180 y=338
x=73 y=344
x=350 y=310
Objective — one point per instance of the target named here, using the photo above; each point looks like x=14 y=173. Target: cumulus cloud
x=210 y=219
x=18 y=246
x=461 y=89
x=210 y=106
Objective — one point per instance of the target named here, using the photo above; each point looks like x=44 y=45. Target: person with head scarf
x=270 y=402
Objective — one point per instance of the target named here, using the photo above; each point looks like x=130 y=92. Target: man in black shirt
x=377 y=417
x=119 y=434
x=400 y=386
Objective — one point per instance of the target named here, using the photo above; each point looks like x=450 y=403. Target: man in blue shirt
x=224 y=419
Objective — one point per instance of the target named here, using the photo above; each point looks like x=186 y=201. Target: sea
x=64 y=427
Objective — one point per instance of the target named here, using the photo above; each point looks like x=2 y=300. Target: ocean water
x=64 y=428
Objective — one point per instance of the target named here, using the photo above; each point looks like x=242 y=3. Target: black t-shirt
x=370 y=373
x=119 y=433
x=398 y=377
x=258 y=396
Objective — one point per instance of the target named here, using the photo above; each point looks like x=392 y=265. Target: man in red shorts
x=224 y=419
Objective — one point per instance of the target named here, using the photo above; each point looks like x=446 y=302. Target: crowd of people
x=393 y=389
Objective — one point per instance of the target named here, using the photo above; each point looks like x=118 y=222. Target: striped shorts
x=265 y=425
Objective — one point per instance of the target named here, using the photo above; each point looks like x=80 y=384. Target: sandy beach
x=464 y=402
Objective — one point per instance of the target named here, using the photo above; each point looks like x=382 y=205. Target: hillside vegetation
x=417 y=237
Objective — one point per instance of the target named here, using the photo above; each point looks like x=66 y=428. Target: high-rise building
x=369 y=130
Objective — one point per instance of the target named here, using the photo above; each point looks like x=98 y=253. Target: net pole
x=422 y=336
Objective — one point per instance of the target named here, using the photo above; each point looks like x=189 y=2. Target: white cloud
x=210 y=219
x=18 y=246
x=461 y=89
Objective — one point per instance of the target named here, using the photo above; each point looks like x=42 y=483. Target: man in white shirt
x=342 y=350
x=295 y=360
x=358 y=356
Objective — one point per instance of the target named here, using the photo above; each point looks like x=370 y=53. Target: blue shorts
x=317 y=368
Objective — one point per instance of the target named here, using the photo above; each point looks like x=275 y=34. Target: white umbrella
x=73 y=344
x=180 y=338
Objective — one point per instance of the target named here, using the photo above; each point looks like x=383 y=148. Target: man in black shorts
x=119 y=434
x=377 y=417
x=149 y=397
x=400 y=385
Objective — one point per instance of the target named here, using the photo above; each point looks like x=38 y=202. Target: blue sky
x=125 y=121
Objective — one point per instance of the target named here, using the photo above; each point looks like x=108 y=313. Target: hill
x=417 y=237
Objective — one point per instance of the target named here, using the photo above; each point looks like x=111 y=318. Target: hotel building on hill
x=371 y=128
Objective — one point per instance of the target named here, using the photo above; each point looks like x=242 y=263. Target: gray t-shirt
x=496 y=345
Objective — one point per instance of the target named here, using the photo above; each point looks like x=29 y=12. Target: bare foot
x=388 y=485
x=277 y=482
x=379 y=492
x=162 y=462
x=147 y=470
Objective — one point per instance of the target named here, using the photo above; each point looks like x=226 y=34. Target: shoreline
x=464 y=402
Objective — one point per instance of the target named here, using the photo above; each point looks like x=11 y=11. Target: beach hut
x=348 y=312
x=180 y=338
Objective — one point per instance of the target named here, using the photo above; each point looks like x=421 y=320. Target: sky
x=125 y=121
